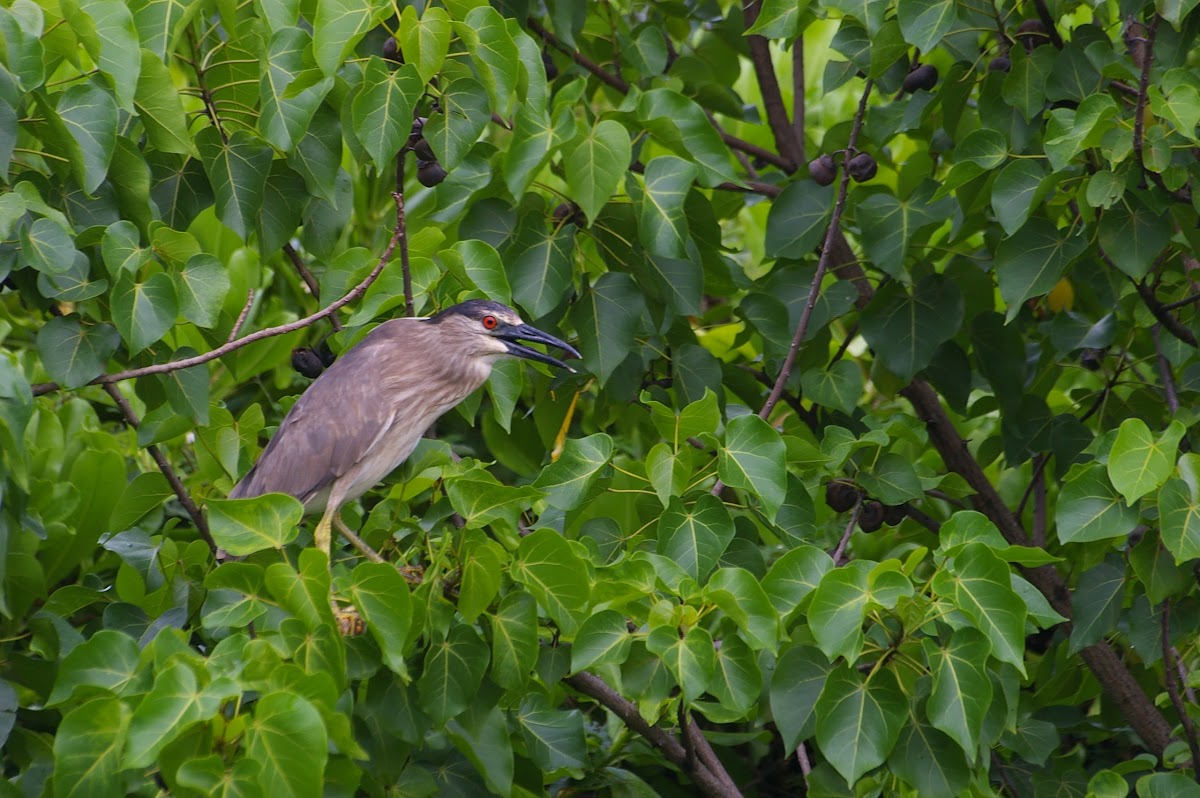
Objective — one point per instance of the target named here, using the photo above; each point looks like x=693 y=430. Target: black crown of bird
x=363 y=416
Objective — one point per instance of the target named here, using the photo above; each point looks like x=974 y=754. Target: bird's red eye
x=489 y=322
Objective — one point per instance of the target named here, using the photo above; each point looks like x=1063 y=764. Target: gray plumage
x=365 y=414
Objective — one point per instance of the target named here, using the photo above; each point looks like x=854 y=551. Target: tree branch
x=822 y=262
x=597 y=689
x=164 y=466
x=1047 y=20
x=798 y=96
x=1168 y=380
x=354 y=293
x=764 y=68
x=1156 y=308
x=1139 y=123
x=309 y=280
x=615 y=81
x=1172 y=680
x=401 y=225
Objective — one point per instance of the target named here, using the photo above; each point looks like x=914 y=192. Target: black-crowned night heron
x=365 y=414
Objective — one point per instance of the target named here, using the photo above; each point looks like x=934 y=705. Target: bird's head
x=489 y=330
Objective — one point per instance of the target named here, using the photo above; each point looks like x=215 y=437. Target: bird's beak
x=523 y=332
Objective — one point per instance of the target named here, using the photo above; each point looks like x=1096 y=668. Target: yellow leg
x=322 y=536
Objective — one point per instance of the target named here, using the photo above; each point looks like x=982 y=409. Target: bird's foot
x=349 y=622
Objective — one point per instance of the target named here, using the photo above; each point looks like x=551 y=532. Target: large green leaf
x=481 y=264
x=925 y=22
x=859 y=721
x=567 y=480
x=595 y=167
x=111 y=39
x=1096 y=604
x=291 y=89
x=454 y=668
x=381 y=596
x=424 y=42
x=383 y=109
x=1179 y=509
x=514 y=640
x=799 y=678
x=663 y=224
x=87 y=749
x=490 y=45
x=159 y=108
x=740 y=596
x=89 y=113
x=1089 y=507
x=551 y=570
x=1016 y=192
x=689 y=657
x=176 y=701
x=752 y=459
x=795 y=575
x=603 y=639
x=539 y=266
x=481 y=563
x=338 y=27
x=1030 y=262
x=73 y=354
x=837 y=609
x=607 y=317
x=464 y=114
x=237 y=170
x=144 y=311
x=695 y=537
x=244 y=526
x=979 y=584
x=554 y=738
x=1138 y=464
x=201 y=287
x=962 y=689
x=905 y=330
x=288 y=740
x=681 y=125
x=1133 y=235
x=107 y=662
x=797 y=220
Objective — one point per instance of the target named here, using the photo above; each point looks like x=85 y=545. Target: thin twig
x=1047 y=20
x=822 y=262
x=814 y=290
x=355 y=540
x=354 y=293
x=309 y=280
x=798 y=95
x=1156 y=308
x=164 y=466
x=1172 y=681
x=615 y=81
x=839 y=553
x=241 y=319
x=405 y=269
x=1039 y=509
x=1187 y=300
x=1143 y=91
x=1168 y=378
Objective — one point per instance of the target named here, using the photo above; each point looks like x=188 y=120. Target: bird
x=363 y=416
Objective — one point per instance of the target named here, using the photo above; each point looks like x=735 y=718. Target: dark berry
x=822 y=169
x=1031 y=33
x=862 y=167
x=549 y=65
x=391 y=50
x=924 y=77
x=423 y=150
x=307 y=362
x=840 y=495
x=1000 y=63
x=871 y=517
x=893 y=514
x=430 y=173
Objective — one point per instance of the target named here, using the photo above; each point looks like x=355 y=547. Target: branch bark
x=1172 y=678
x=40 y=389
x=760 y=55
x=1139 y=123
x=615 y=81
x=712 y=784
x=164 y=466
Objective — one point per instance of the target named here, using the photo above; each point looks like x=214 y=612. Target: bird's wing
x=330 y=428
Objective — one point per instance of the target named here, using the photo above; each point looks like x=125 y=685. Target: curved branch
x=768 y=86
x=615 y=81
x=354 y=293
x=596 y=688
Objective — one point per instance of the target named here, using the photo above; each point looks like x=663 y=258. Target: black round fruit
x=893 y=514
x=822 y=169
x=430 y=173
x=391 y=50
x=307 y=362
x=840 y=495
x=549 y=65
x=423 y=150
x=871 y=517
x=1000 y=63
x=1031 y=33
x=924 y=77
x=862 y=167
